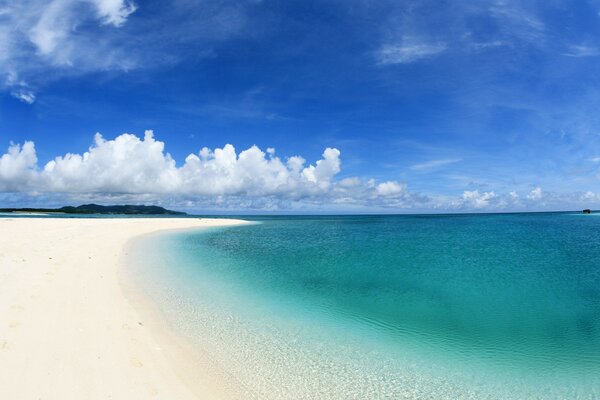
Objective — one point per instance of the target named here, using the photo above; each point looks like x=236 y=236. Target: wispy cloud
x=408 y=35
x=409 y=51
x=26 y=96
x=518 y=22
x=433 y=164
x=41 y=41
x=582 y=51
x=60 y=35
x=480 y=46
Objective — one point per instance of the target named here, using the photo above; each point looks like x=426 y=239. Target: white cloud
x=129 y=168
x=390 y=188
x=535 y=194
x=518 y=22
x=17 y=167
x=535 y=200
x=408 y=51
x=26 y=96
x=130 y=165
x=478 y=200
x=52 y=27
x=133 y=169
x=414 y=33
x=114 y=12
x=590 y=196
x=123 y=165
x=349 y=182
x=434 y=164
x=582 y=51
x=38 y=36
x=480 y=46
x=49 y=27
x=42 y=41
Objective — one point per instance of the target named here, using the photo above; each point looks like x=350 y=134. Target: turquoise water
x=464 y=306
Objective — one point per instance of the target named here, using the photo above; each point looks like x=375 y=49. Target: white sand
x=68 y=327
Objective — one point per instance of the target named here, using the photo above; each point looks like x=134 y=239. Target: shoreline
x=196 y=368
x=72 y=325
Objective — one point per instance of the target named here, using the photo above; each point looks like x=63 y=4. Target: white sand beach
x=68 y=327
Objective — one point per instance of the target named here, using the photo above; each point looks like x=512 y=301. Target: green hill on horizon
x=127 y=209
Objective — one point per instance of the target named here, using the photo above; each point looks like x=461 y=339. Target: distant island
x=98 y=209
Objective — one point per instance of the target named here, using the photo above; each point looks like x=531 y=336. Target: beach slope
x=67 y=328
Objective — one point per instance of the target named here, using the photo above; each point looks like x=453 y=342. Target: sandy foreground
x=69 y=328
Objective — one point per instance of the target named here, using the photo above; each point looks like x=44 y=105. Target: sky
x=301 y=106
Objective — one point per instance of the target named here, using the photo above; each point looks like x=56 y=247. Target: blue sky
x=432 y=105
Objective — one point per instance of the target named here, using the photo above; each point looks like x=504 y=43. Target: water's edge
x=196 y=368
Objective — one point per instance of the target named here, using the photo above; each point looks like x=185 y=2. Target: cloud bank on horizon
x=138 y=169
x=135 y=168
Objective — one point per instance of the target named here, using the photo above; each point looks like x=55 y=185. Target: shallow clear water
x=463 y=306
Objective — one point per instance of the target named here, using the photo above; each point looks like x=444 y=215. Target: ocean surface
x=503 y=306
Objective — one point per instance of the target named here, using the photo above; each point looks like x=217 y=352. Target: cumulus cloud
x=535 y=194
x=477 y=200
x=123 y=165
x=390 y=188
x=535 y=200
x=129 y=168
x=349 y=182
x=17 y=167
x=133 y=166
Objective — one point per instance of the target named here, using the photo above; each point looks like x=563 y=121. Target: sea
x=469 y=306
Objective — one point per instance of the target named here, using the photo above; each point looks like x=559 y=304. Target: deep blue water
x=454 y=306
